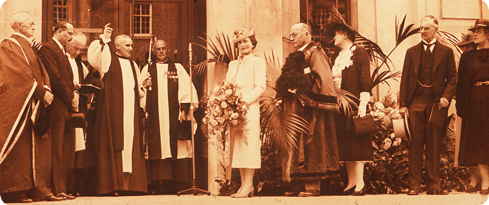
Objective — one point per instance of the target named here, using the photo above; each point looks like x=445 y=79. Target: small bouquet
x=224 y=108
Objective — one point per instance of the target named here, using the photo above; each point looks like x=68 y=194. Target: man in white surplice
x=118 y=128
x=167 y=104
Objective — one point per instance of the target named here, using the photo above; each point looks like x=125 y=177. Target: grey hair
x=119 y=38
x=19 y=17
x=432 y=18
x=77 y=35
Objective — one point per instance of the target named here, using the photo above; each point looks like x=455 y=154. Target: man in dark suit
x=66 y=97
x=427 y=86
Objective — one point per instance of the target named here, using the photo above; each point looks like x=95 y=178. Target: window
x=59 y=11
x=142 y=18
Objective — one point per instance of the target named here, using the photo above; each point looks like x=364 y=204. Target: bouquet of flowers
x=225 y=107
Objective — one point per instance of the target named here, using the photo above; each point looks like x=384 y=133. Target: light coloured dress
x=249 y=73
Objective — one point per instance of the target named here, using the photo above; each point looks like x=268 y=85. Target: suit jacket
x=61 y=76
x=444 y=75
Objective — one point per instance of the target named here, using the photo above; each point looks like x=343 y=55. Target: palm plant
x=279 y=129
x=36 y=46
x=221 y=50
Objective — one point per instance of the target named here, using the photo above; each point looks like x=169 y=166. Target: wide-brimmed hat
x=331 y=30
x=242 y=33
x=480 y=23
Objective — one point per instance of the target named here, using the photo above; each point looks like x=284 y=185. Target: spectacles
x=293 y=35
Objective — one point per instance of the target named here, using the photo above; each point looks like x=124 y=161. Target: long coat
x=321 y=159
x=473 y=108
x=355 y=79
x=249 y=73
x=23 y=80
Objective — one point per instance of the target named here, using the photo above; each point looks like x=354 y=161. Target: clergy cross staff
x=148 y=75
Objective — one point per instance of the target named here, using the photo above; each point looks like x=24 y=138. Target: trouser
x=424 y=133
x=63 y=153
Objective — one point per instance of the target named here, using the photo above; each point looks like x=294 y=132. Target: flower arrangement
x=225 y=108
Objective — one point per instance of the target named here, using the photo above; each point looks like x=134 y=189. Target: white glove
x=362 y=107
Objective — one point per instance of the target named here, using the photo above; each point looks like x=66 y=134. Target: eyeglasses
x=293 y=35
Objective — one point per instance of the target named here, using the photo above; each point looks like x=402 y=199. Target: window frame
x=140 y=16
x=65 y=7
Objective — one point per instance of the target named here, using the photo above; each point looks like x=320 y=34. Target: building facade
x=181 y=22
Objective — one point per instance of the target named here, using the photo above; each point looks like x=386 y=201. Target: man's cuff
x=103 y=39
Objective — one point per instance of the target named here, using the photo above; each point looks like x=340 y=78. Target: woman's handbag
x=364 y=125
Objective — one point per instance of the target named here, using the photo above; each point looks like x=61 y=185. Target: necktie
x=428 y=50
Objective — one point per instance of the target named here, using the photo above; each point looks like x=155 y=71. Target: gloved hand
x=362 y=107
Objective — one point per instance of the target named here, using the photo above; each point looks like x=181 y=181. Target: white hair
x=79 y=36
x=119 y=38
x=20 y=17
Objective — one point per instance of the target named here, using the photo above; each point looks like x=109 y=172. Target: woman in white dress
x=249 y=73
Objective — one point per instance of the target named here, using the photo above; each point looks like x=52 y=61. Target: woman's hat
x=240 y=34
x=480 y=23
x=331 y=32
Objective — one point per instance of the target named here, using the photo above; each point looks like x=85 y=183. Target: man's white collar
x=59 y=44
x=303 y=47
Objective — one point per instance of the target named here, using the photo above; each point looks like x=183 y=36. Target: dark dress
x=473 y=107
x=355 y=79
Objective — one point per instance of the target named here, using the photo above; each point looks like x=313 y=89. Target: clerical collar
x=120 y=56
x=162 y=62
x=21 y=35
x=60 y=45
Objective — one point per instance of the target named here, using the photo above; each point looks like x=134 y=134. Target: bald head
x=123 y=45
x=160 y=49
x=300 y=34
x=77 y=44
x=22 y=22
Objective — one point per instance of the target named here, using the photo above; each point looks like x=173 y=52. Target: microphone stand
x=192 y=190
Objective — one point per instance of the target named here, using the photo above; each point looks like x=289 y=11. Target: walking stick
x=192 y=190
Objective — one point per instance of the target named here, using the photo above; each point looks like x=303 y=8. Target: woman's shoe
x=349 y=191
x=361 y=192
x=245 y=194
x=239 y=190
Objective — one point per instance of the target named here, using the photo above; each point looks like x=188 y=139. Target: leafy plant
x=36 y=46
x=280 y=129
x=221 y=50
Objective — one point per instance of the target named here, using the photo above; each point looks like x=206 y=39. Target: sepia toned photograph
x=244 y=102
